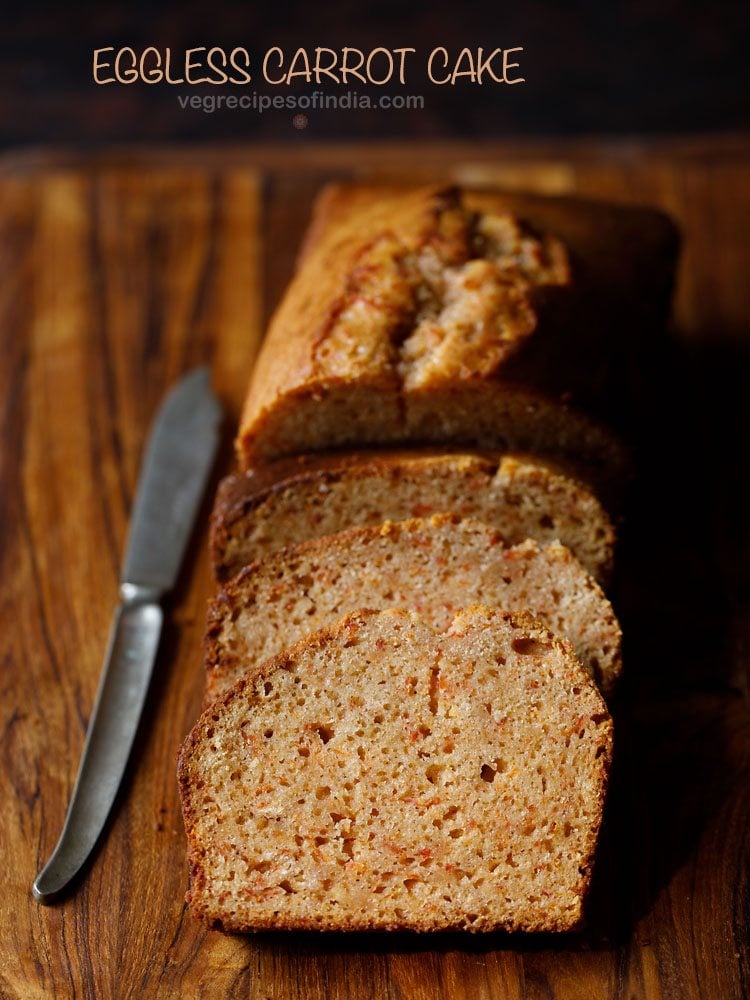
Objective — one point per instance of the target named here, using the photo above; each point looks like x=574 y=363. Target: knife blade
x=179 y=455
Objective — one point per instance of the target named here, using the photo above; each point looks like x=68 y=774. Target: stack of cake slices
x=411 y=652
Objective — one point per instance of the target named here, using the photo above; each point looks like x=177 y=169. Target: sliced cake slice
x=521 y=496
x=380 y=775
x=431 y=565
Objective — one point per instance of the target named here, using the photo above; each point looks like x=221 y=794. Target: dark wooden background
x=121 y=271
x=631 y=67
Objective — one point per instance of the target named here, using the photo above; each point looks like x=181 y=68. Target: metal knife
x=179 y=456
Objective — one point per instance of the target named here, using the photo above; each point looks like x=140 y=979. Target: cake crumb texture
x=382 y=775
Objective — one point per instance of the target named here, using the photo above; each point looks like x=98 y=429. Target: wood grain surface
x=121 y=272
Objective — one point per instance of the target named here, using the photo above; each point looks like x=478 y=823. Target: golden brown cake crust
x=401 y=293
x=622 y=243
x=408 y=295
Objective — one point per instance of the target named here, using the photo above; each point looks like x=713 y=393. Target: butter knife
x=179 y=456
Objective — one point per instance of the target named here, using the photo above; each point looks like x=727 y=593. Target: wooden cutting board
x=118 y=273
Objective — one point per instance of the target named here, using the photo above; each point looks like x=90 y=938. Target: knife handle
x=131 y=652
